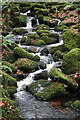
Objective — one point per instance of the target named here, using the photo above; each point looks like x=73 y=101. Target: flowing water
x=29 y=106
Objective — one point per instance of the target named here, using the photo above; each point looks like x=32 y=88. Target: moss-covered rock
x=62 y=48
x=21 y=53
x=23 y=40
x=76 y=105
x=57 y=55
x=45 y=90
x=9 y=110
x=43 y=27
x=71 y=39
x=39 y=42
x=45 y=51
x=48 y=40
x=19 y=31
x=26 y=65
x=54 y=35
x=41 y=75
x=10 y=65
x=36 y=58
x=71 y=61
x=57 y=75
x=49 y=21
x=41 y=32
x=61 y=28
x=22 y=20
x=43 y=12
x=33 y=36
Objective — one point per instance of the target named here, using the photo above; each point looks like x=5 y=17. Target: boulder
x=45 y=51
x=45 y=90
x=57 y=75
x=42 y=65
x=41 y=75
x=71 y=61
x=26 y=65
x=36 y=58
x=71 y=39
x=22 y=53
x=19 y=31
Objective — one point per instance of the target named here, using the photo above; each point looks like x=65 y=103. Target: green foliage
x=6 y=42
x=76 y=105
x=78 y=10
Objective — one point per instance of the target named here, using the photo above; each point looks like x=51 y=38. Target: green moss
x=39 y=42
x=49 y=21
x=24 y=9
x=43 y=27
x=9 y=65
x=57 y=75
x=76 y=105
x=61 y=28
x=71 y=39
x=50 y=89
x=36 y=58
x=10 y=111
x=47 y=39
x=19 y=31
x=23 y=40
x=41 y=32
x=21 y=53
x=33 y=36
x=62 y=48
x=71 y=62
x=27 y=65
x=43 y=12
x=57 y=55
x=54 y=35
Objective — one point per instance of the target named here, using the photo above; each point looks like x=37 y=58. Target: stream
x=29 y=106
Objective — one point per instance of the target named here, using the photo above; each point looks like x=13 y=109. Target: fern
x=5 y=68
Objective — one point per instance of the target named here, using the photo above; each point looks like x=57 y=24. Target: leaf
x=2 y=104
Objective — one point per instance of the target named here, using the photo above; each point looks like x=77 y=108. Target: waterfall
x=37 y=22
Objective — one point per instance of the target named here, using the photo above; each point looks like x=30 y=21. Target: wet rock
x=42 y=75
x=45 y=90
x=42 y=65
x=71 y=61
x=17 y=41
x=57 y=75
x=45 y=51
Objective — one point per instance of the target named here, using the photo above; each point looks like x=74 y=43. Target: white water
x=48 y=60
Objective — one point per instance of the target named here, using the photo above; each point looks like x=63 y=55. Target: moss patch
x=45 y=90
